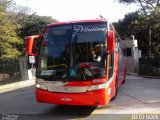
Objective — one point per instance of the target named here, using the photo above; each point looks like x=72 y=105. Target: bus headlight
x=97 y=87
x=41 y=86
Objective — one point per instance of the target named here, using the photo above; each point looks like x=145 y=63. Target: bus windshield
x=73 y=52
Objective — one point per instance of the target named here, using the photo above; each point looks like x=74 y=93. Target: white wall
x=132 y=61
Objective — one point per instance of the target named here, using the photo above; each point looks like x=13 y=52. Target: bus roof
x=77 y=21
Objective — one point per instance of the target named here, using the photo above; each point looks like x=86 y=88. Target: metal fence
x=149 y=67
x=13 y=70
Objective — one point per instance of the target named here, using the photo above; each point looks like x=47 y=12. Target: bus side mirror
x=110 y=42
x=32 y=43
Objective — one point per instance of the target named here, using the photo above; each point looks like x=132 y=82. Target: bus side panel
x=122 y=68
x=115 y=75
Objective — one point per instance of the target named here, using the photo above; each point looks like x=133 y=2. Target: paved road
x=137 y=95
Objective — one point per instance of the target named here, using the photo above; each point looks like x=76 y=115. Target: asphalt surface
x=137 y=96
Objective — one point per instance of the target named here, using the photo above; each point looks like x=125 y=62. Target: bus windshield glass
x=73 y=52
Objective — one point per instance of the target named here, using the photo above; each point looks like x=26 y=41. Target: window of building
x=129 y=51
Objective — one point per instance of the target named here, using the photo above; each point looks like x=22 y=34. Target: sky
x=69 y=10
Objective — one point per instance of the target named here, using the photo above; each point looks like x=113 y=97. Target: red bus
x=78 y=63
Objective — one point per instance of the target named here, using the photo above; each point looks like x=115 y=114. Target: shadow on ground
x=61 y=112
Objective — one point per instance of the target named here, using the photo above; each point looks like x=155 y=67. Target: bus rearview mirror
x=32 y=42
x=110 y=42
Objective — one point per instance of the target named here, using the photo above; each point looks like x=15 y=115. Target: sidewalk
x=16 y=85
x=144 y=76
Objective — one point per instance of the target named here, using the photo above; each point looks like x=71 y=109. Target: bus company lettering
x=80 y=28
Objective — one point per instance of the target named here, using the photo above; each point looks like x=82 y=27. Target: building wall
x=132 y=59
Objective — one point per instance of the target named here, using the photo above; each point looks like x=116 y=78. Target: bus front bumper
x=92 y=98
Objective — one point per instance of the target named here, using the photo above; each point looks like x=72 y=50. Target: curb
x=143 y=76
x=16 y=85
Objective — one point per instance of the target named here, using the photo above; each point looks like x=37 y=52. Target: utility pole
x=150 y=41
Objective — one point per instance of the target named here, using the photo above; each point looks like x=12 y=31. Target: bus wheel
x=124 y=81
x=115 y=90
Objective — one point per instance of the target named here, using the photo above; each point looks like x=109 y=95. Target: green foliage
x=137 y=25
x=33 y=24
x=30 y=25
x=125 y=27
x=15 y=25
x=8 y=37
x=140 y=23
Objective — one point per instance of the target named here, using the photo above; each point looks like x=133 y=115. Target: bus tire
x=124 y=81
x=125 y=73
x=115 y=90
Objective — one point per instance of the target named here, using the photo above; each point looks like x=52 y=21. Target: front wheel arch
x=115 y=90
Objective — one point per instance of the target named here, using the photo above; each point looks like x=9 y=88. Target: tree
x=136 y=24
x=146 y=6
x=33 y=24
x=15 y=25
x=149 y=9
x=30 y=24
x=125 y=27
x=131 y=25
x=9 y=39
